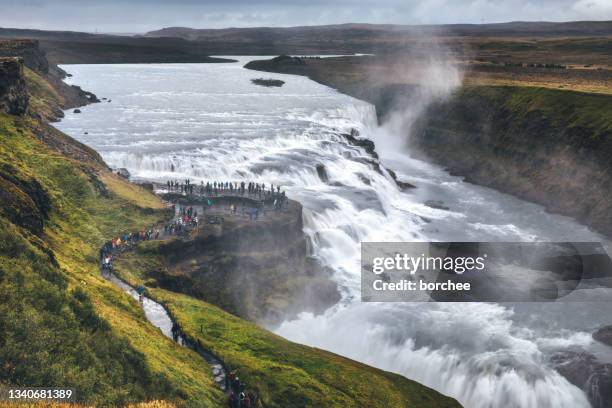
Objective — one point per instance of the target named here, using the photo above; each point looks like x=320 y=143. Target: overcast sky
x=134 y=16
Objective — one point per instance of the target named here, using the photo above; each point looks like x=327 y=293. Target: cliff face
x=49 y=94
x=260 y=270
x=546 y=146
x=29 y=50
x=13 y=92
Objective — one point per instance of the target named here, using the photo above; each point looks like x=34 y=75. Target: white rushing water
x=209 y=122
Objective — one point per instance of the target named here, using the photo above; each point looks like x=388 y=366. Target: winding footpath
x=160 y=317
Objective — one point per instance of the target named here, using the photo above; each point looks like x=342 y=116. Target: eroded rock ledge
x=260 y=270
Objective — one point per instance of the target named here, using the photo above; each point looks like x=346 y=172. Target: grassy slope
x=284 y=373
x=64 y=324
x=564 y=109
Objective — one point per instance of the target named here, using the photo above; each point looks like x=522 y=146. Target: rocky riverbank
x=586 y=372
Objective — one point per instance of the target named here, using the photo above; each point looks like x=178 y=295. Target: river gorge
x=209 y=122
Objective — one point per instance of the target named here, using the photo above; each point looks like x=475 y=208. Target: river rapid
x=209 y=122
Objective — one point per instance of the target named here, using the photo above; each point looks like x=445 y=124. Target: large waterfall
x=209 y=122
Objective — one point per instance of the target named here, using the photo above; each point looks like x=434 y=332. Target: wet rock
x=403 y=185
x=146 y=186
x=604 y=335
x=373 y=164
x=123 y=172
x=437 y=204
x=76 y=111
x=364 y=179
x=584 y=371
x=322 y=173
x=366 y=144
x=268 y=82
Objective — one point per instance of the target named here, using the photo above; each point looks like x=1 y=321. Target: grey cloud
x=145 y=15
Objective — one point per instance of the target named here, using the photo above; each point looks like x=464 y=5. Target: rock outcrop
x=260 y=270
x=13 y=92
x=546 y=146
x=604 y=335
x=584 y=371
x=29 y=50
x=34 y=59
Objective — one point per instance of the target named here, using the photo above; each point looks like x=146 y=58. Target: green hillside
x=63 y=325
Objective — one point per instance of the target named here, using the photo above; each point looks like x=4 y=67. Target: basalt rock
x=604 y=335
x=260 y=270
x=541 y=145
x=33 y=57
x=322 y=173
x=366 y=144
x=584 y=371
x=403 y=185
x=123 y=172
x=13 y=91
x=268 y=82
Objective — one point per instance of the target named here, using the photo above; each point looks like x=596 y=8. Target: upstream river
x=209 y=122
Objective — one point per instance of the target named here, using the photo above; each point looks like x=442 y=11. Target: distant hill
x=181 y=44
x=370 y=31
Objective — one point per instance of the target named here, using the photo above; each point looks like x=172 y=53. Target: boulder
x=322 y=173
x=123 y=172
x=604 y=335
x=587 y=373
x=268 y=82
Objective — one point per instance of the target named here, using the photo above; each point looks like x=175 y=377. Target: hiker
x=140 y=289
x=233 y=401
x=175 y=331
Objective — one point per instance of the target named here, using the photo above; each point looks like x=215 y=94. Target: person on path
x=140 y=289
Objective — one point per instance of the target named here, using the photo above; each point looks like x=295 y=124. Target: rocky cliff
x=546 y=146
x=260 y=270
x=13 y=92
x=51 y=93
x=29 y=50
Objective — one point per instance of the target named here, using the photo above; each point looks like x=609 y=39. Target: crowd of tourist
x=239 y=397
x=251 y=189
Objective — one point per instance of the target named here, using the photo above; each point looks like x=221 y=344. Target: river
x=209 y=122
